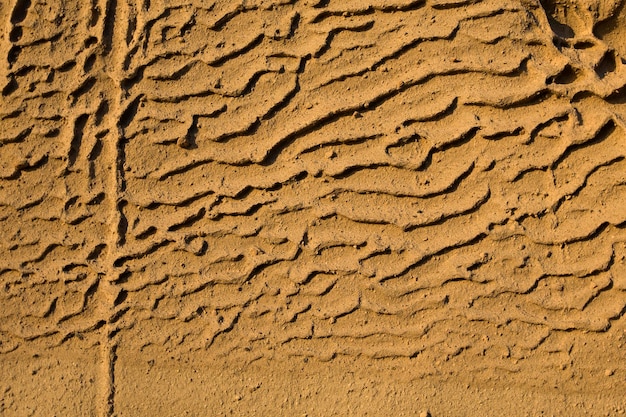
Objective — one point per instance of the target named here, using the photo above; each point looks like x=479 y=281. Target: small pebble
x=425 y=413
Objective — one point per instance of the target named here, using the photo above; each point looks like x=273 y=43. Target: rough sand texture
x=312 y=207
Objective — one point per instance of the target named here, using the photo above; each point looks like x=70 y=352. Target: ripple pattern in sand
x=311 y=178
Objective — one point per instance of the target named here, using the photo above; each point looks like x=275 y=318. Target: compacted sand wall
x=312 y=207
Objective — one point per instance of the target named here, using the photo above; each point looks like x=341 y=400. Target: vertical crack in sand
x=114 y=20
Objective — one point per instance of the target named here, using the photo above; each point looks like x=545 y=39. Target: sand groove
x=311 y=178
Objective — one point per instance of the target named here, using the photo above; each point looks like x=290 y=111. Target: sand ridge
x=436 y=185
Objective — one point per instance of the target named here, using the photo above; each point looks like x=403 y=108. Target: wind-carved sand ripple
x=53 y=177
x=315 y=179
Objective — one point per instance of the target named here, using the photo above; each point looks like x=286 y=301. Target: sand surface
x=312 y=207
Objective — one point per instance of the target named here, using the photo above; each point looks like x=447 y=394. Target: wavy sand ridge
x=359 y=179
x=254 y=179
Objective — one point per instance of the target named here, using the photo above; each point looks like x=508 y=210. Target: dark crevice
x=121 y=260
x=10 y=88
x=146 y=233
x=121 y=297
x=20 y=11
x=188 y=221
x=67 y=66
x=103 y=109
x=96 y=252
x=77 y=138
x=84 y=88
x=13 y=54
x=109 y=22
x=603 y=133
x=567 y=76
x=99 y=198
x=122 y=226
x=606 y=65
x=95 y=13
x=583 y=45
x=618 y=97
x=16 y=34
x=226 y=58
x=561 y=29
x=96 y=150
x=129 y=112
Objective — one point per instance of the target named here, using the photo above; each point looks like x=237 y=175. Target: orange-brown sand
x=312 y=207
